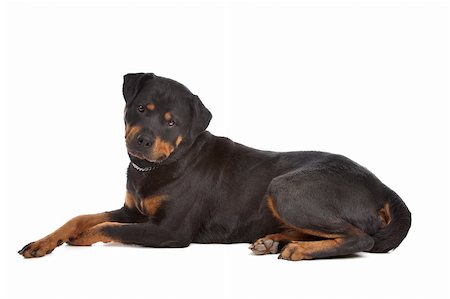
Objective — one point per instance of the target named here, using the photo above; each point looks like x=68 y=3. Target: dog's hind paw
x=264 y=246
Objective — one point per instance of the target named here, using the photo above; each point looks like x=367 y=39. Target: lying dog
x=186 y=185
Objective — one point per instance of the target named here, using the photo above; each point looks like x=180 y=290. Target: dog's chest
x=148 y=205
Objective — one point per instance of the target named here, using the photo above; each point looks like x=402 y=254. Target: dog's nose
x=144 y=140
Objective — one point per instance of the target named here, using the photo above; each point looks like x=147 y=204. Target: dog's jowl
x=186 y=185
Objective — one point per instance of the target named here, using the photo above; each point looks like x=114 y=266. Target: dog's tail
x=397 y=221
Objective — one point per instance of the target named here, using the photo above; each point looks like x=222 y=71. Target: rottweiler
x=185 y=185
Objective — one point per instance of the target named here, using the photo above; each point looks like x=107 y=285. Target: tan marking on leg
x=151 y=205
x=71 y=229
x=298 y=250
x=384 y=215
x=151 y=106
x=289 y=235
x=94 y=235
x=272 y=208
x=129 y=201
x=168 y=116
x=304 y=243
x=317 y=233
x=178 y=141
x=301 y=231
x=161 y=149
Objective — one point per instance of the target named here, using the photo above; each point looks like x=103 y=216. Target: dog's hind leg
x=331 y=240
x=315 y=219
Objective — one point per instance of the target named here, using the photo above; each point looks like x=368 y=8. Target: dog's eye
x=171 y=123
x=141 y=108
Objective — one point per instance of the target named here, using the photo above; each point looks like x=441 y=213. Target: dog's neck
x=143 y=169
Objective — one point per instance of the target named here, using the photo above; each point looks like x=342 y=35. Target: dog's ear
x=132 y=83
x=200 y=118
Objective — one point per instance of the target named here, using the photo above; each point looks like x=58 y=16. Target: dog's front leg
x=145 y=234
x=75 y=227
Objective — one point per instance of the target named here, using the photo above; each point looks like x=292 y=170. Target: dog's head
x=162 y=118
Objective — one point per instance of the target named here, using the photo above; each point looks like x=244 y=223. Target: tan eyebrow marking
x=151 y=106
x=167 y=116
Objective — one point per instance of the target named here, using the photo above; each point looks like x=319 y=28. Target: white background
x=366 y=79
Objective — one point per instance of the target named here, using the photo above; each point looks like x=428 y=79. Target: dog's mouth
x=142 y=156
x=158 y=152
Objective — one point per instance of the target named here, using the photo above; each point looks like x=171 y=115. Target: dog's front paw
x=41 y=247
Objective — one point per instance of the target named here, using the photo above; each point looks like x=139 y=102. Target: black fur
x=186 y=185
x=216 y=188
